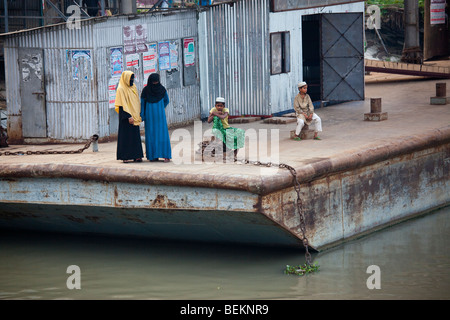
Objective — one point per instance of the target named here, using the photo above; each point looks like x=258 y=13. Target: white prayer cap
x=301 y=84
x=220 y=99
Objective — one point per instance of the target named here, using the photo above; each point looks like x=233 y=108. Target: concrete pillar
x=412 y=52
x=128 y=7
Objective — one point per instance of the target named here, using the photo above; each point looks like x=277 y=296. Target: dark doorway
x=333 y=56
x=311 y=54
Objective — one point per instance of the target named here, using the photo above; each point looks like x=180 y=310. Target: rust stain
x=162 y=201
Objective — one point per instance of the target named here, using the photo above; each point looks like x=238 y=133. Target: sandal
x=138 y=160
x=127 y=161
x=154 y=160
x=297 y=139
x=166 y=160
x=317 y=138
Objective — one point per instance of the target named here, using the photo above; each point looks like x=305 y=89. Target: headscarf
x=153 y=92
x=127 y=97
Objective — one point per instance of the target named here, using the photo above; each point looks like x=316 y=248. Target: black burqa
x=153 y=92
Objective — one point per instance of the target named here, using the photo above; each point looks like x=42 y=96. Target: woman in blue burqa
x=154 y=100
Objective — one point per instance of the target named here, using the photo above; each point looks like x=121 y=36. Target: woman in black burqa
x=154 y=100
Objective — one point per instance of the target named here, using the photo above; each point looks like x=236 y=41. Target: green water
x=413 y=258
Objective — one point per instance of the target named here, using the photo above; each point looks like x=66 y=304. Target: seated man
x=304 y=110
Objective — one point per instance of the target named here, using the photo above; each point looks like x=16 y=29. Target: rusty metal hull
x=343 y=197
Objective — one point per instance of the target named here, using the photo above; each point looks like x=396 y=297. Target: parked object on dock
x=375 y=111
x=441 y=94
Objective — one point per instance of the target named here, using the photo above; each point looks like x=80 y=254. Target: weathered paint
x=343 y=197
x=347 y=204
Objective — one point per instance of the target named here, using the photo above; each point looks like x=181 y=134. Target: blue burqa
x=154 y=100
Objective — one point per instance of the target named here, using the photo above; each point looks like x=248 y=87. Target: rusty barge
x=351 y=184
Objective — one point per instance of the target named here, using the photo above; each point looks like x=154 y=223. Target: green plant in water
x=302 y=270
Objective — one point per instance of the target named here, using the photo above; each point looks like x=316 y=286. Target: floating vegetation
x=301 y=270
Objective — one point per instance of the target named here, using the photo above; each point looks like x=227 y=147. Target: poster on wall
x=141 y=37
x=116 y=61
x=149 y=61
x=135 y=38
x=133 y=64
x=437 y=12
x=112 y=88
x=164 y=55
x=189 y=52
x=81 y=63
x=173 y=55
x=129 y=43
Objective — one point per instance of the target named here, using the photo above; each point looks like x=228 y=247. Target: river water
x=413 y=258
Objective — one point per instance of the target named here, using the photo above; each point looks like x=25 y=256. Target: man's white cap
x=220 y=99
x=301 y=84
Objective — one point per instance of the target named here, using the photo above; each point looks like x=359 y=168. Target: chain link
x=299 y=200
x=20 y=153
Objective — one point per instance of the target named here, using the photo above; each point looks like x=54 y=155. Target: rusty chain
x=299 y=200
x=20 y=153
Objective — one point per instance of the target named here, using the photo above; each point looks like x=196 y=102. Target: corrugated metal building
x=254 y=53
x=61 y=81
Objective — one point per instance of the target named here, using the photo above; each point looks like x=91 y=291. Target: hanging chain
x=20 y=153
x=299 y=200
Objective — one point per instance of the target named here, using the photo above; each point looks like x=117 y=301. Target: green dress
x=233 y=138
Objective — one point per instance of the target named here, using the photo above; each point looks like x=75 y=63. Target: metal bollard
x=441 y=89
x=375 y=111
x=375 y=105
x=441 y=94
x=95 y=144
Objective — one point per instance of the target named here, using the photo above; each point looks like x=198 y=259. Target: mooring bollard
x=441 y=94
x=375 y=111
x=95 y=143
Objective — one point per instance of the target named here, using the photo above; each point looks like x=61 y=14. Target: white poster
x=437 y=12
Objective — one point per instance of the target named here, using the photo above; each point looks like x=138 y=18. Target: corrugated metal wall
x=79 y=108
x=234 y=61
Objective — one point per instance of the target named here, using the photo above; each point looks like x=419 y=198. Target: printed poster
x=81 y=64
x=189 y=52
x=112 y=88
x=133 y=64
x=173 y=55
x=150 y=61
x=116 y=61
x=129 y=43
x=437 y=12
x=141 y=37
x=164 y=55
x=134 y=38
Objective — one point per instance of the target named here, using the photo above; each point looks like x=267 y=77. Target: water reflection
x=413 y=258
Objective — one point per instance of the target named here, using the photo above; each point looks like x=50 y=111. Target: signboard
x=437 y=12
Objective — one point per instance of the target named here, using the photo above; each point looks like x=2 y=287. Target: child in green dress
x=232 y=138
